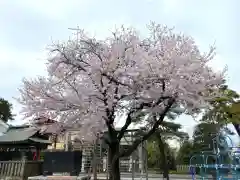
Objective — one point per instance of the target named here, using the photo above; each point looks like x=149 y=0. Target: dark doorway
x=62 y=161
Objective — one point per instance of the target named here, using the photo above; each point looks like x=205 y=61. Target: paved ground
x=77 y=178
x=123 y=177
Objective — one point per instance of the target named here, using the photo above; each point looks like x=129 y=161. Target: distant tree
x=5 y=110
x=202 y=140
x=224 y=109
x=156 y=158
x=158 y=143
x=184 y=153
x=166 y=131
x=203 y=136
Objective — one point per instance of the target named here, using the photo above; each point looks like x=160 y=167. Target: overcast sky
x=28 y=26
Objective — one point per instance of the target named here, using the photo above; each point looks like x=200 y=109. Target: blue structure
x=222 y=162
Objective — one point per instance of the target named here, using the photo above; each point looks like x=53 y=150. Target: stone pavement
x=78 y=178
x=123 y=177
x=103 y=177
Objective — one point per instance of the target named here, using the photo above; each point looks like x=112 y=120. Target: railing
x=183 y=168
x=178 y=169
x=19 y=170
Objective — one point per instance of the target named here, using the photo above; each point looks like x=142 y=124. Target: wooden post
x=55 y=141
x=23 y=162
x=146 y=159
x=94 y=164
x=107 y=162
x=133 y=158
x=67 y=140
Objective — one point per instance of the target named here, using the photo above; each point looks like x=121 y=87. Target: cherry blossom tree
x=90 y=81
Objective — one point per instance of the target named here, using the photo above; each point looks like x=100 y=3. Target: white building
x=3 y=127
x=135 y=162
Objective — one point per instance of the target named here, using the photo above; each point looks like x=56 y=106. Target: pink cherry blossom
x=89 y=81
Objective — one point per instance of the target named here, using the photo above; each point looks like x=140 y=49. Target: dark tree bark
x=164 y=158
x=114 y=161
x=55 y=141
x=114 y=138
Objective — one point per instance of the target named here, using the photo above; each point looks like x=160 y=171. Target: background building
x=3 y=127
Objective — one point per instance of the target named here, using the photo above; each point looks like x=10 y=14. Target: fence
x=183 y=169
x=178 y=169
x=19 y=170
x=95 y=157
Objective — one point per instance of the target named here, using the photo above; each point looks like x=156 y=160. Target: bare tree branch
x=125 y=153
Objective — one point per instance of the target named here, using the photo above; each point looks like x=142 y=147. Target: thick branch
x=111 y=130
x=112 y=79
x=111 y=114
x=124 y=128
x=141 y=107
x=146 y=136
x=69 y=62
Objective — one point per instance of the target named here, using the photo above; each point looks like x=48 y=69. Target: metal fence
x=183 y=168
x=95 y=158
x=134 y=166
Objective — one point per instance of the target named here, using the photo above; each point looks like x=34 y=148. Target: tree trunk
x=114 y=163
x=55 y=137
x=164 y=158
x=94 y=162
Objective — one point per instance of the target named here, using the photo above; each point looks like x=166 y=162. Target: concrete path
x=124 y=176
x=77 y=178
x=103 y=177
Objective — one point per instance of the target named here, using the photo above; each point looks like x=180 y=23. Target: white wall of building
x=3 y=127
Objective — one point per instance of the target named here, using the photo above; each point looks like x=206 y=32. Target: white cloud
x=26 y=63
x=55 y=9
x=15 y=66
x=176 y=6
x=218 y=63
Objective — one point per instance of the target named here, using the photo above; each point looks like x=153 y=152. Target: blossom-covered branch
x=90 y=80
